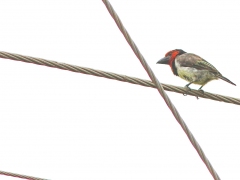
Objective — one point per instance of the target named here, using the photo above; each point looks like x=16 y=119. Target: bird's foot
x=187 y=89
x=202 y=91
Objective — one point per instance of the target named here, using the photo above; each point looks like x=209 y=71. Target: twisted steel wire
x=160 y=89
x=119 y=77
x=20 y=176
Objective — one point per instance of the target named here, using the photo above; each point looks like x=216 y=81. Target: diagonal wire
x=160 y=89
x=20 y=176
x=119 y=77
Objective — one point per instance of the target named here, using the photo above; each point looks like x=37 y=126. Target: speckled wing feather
x=194 y=61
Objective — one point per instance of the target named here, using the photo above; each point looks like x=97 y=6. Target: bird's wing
x=194 y=61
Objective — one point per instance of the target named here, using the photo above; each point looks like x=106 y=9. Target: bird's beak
x=164 y=60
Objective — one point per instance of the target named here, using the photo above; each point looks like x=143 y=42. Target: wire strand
x=160 y=89
x=20 y=176
x=115 y=76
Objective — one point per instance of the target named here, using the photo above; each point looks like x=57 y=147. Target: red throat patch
x=172 y=58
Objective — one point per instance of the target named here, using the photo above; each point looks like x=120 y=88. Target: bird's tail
x=227 y=80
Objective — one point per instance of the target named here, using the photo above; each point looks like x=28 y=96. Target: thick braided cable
x=160 y=89
x=20 y=176
x=119 y=77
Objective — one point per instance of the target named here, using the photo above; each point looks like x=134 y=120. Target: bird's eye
x=168 y=53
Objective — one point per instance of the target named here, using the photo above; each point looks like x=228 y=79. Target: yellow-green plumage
x=196 y=70
x=194 y=77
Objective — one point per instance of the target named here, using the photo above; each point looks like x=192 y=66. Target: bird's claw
x=188 y=89
x=201 y=91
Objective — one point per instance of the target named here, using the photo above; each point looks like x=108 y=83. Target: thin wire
x=20 y=176
x=119 y=77
x=160 y=89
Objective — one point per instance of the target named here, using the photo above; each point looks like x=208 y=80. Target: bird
x=191 y=68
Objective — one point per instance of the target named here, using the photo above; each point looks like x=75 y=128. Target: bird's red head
x=170 y=57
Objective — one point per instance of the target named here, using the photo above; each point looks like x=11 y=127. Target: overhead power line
x=115 y=76
x=154 y=84
x=20 y=176
x=161 y=90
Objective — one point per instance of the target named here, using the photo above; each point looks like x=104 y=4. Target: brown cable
x=160 y=89
x=20 y=176
x=115 y=76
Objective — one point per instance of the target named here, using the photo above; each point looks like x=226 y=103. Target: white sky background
x=60 y=125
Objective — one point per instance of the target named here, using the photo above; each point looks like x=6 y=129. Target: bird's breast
x=194 y=75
